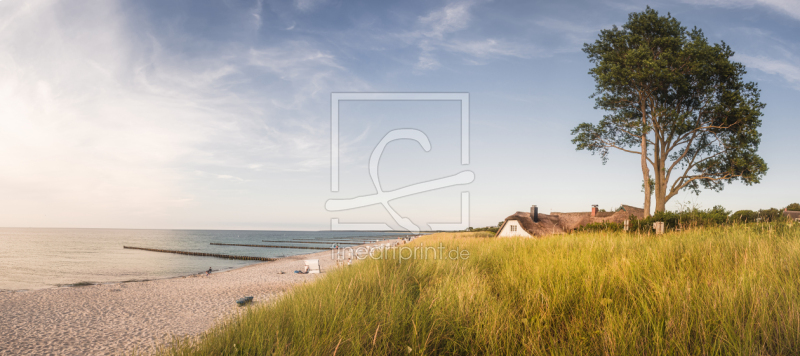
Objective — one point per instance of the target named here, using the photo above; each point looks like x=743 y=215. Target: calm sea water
x=43 y=258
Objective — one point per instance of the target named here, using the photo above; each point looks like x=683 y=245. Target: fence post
x=659 y=227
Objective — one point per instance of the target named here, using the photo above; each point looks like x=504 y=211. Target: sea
x=37 y=258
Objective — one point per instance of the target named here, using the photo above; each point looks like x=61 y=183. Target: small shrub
x=745 y=216
x=490 y=229
x=769 y=215
x=603 y=226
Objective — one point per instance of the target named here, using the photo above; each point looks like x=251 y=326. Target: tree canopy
x=678 y=102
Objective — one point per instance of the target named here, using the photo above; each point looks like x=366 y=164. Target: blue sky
x=186 y=114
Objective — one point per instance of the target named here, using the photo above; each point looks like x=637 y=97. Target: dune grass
x=717 y=291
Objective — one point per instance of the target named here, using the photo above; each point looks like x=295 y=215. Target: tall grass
x=717 y=291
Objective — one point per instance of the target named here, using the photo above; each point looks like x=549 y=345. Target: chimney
x=594 y=210
x=534 y=213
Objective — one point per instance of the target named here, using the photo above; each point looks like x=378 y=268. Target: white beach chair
x=313 y=266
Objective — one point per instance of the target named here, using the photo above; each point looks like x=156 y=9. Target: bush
x=770 y=215
x=603 y=226
x=745 y=216
x=492 y=229
x=674 y=220
x=691 y=218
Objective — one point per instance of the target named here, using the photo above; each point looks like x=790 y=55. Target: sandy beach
x=117 y=318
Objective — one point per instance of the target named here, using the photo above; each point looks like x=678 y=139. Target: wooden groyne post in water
x=300 y=247
x=230 y=257
x=317 y=242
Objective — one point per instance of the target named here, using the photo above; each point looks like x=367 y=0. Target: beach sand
x=112 y=319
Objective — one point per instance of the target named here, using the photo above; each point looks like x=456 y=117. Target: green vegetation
x=714 y=291
x=687 y=219
x=793 y=207
x=603 y=226
x=491 y=229
x=744 y=216
x=690 y=219
x=677 y=101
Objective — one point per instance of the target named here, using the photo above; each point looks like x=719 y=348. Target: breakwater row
x=317 y=242
x=271 y=246
x=230 y=257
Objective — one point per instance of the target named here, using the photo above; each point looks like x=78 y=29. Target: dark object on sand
x=244 y=301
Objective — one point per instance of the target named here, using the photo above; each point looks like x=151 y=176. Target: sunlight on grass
x=716 y=291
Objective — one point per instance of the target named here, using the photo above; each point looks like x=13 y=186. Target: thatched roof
x=632 y=210
x=572 y=221
x=558 y=223
x=794 y=215
x=547 y=225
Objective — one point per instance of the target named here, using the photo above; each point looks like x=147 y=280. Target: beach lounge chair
x=313 y=266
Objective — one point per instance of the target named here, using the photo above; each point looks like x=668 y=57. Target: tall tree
x=678 y=102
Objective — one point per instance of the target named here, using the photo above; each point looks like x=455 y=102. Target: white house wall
x=506 y=232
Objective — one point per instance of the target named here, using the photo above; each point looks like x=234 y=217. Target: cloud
x=451 y=18
x=230 y=177
x=256 y=13
x=486 y=48
x=787 y=70
x=789 y=8
x=104 y=117
x=307 y=5
x=439 y=30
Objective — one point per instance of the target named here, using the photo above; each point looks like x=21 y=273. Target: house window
x=513 y=227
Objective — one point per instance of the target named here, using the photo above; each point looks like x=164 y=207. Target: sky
x=217 y=114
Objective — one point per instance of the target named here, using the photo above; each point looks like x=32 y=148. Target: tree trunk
x=646 y=175
x=661 y=195
x=661 y=185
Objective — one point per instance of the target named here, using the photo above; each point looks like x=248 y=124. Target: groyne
x=271 y=246
x=317 y=242
x=203 y=254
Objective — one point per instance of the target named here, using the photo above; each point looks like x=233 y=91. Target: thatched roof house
x=794 y=215
x=522 y=224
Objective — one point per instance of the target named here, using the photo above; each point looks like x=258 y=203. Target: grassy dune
x=717 y=291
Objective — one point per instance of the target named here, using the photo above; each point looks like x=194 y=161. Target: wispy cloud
x=789 y=71
x=255 y=12
x=451 y=18
x=306 y=5
x=789 y=8
x=108 y=117
x=485 y=48
x=438 y=31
